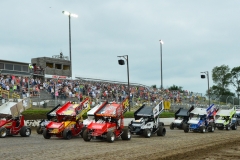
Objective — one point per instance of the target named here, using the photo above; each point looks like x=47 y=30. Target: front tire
x=202 y=129
x=211 y=127
x=46 y=134
x=172 y=126
x=67 y=134
x=86 y=136
x=25 y=131
x=3 y=132
x=110 y=137
x=147 y=133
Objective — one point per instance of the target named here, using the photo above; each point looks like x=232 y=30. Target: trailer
x=69 y=120
x=11 y=120
x=226 y=119
x=108 y=122
x=181 y=118
x=147 y=121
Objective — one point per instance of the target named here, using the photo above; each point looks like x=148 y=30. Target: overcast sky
x=197 y=35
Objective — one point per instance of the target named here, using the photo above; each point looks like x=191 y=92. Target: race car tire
x=67 y=134
x=211 y=127
x=83 y=129
x=46 y=134
x=110 y=137
x=185 y=128
x=147 y=133
x=3 y=132
x=202 y=129
x=160 y=124
x=172 y=126
x=234 y=127
x=227 y=127
x=126 y=135
x=161 y=131
x=25 y=131
x=39 y=130
x=86 y=136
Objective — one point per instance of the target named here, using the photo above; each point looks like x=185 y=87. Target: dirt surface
x=175 y=145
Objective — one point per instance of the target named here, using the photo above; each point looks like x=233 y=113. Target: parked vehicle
x=69 y=120
x=201 y=120
x=181 y=118
x=12 y=122
x=108 y=122
x=226 y=119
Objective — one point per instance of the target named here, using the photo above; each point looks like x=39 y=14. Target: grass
x=40 y=113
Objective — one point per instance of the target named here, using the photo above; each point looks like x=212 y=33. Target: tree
x=174 y=87
x=221 y=76
x=235 y=79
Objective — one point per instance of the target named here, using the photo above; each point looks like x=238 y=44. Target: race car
x=226 y=119
x=69 y=120
x=108 y=122
x=147 y=121
x=181 y=118
x=201 y=120
x=12 y=122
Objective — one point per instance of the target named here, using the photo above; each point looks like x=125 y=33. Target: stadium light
x=69 y=16
x=161 y=43
x=122 y=62
x=203 y=76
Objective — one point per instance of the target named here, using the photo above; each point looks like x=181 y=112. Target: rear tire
x=86 y=136
x=39 y=130
x=110 y=136
x=46 y=134
x=25 y=131
x=126 y=135
x=161 y=131
x=234 y=127
x=211 y=127
x=3 y=132
x=67 y=134
x=172 y=126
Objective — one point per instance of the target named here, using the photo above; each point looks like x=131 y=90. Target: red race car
x=12 y=122
x=69 y=120
x=108 y=122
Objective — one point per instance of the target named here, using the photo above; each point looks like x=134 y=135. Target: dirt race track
x=175 y=145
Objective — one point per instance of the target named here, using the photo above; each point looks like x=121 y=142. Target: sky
x=198 y=36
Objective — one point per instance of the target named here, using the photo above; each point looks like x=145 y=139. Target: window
x=9 y=66
x=58 y=66
x=1 y=66
x=17 y=67
x=25 y=68
x=66 y=67
x=49 y=65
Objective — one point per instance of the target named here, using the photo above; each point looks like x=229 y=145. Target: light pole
x=122 y=62
x=161 y=42
x=203 y=76
x=70 y=15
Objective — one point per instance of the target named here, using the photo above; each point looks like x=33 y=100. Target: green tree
x=235 y=79
x=221 y=76
x=174 y=87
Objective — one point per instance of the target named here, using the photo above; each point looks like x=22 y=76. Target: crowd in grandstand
x=63 y=88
